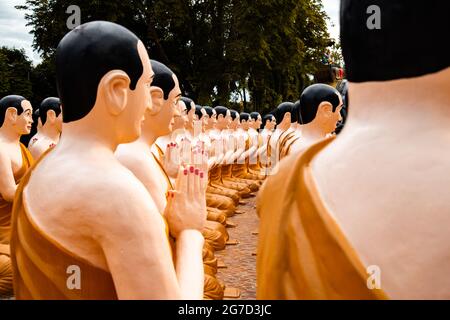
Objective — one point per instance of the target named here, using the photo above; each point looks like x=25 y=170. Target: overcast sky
x=14 y=33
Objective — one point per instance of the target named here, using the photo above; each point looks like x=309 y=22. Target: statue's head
x=103 y=75
x=50 y=113
x=244 y=120
x=165 y=92
x=235 y=119
x=223 y=117
x=269 y=122
x=283 y=115
x=255 y=120
x=209 y=117
x=180 y=118
x=190 y=107
x=320 y=103
x=16 y=114
x=392 y=39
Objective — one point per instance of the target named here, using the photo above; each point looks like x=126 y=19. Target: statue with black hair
x=364 y=215
x=319 y=112
x=226 y=147
x=283 y=117
x=51 y=119
x=110 y=227
x=15 y=121
x=241 y=168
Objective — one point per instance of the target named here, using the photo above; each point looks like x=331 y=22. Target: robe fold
x=302 y=252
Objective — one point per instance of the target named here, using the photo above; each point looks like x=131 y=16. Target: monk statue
x=319 y=112
x=108 y=239
x=48 y=136
x=145 y=165
x=268 y=125
x=365 y=215
x=15 y=121
x=283 y=115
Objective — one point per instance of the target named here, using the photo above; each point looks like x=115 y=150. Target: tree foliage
x=267 y=48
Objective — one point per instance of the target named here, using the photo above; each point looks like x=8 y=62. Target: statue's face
x=180 y=121
x=138 y=101
x=258 y=122
x=161 y=118
x=334 y=117
x=270 y=123
x=191 y=116
x=25 y=119
x=244 y=124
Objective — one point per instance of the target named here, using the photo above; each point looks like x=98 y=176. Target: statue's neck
x=417 y=106
x=50 y=131
x=313 y=131
x=8 y=135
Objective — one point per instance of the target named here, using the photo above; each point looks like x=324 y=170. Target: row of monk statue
x=126 y=189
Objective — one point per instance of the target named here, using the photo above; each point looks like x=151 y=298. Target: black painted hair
x=209 y=111
x=85 y=55
x=234 y=114
x=266 y=117
x=269 y=117
x=295 y=112
x=255 y=115
x=244 y=116
x=312 y=97
x=163 y=78
x=410 y=42
x=187 y=101
x=221 y=110
x=11 y=101
x=281 y=110
x=198 y=111
x=47 y=104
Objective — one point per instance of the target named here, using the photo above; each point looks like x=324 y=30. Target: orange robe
x=302 y=253
x=6 y=207
x=40 y=263
x=6 y=278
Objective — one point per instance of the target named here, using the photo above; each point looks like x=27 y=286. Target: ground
x=240 y=259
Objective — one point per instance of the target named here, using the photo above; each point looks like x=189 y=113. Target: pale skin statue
x=323 y=124
x=48 y=135
x=111 y=221
x=14 y=126
x=406 y=180
x=137 y=155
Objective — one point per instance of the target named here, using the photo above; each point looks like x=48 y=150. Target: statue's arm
x=131 y=233
x=7 y=183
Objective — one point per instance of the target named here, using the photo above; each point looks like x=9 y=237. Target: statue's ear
x=114 y=86
x=11 y=114
x=324 y=109
x=51 y=115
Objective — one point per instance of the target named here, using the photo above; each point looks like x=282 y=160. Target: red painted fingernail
x=173 y=195
x=168 y=145
x=196 y=172
x=185 y=172
x=201 y=174
x=191 y=169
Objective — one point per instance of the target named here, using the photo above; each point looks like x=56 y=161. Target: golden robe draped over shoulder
x=6 y=207
x=6 y=278
x=302 y=253
x=40 y=264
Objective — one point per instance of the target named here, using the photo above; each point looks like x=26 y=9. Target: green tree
x=262 y=50
x=15 y=72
